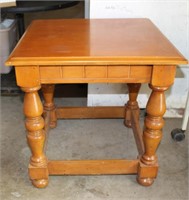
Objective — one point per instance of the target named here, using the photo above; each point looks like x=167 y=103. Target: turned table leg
x=132 y=103
x=156 y=107
x=34 y=123
x=48 y=94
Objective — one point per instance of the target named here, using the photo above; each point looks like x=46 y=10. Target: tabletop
x=84 y=41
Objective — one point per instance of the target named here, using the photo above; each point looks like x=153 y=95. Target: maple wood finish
x=48 y=93
x=130 y=51
x=132 y=104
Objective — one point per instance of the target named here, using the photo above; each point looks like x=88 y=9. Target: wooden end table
x=130 y=51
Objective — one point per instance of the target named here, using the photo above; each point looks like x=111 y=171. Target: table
x=34 y=6
x=130 y=51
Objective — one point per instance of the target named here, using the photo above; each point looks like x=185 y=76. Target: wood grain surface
x=83 y=41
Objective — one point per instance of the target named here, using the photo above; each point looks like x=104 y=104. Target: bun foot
x=41 y=183
x=145 y=181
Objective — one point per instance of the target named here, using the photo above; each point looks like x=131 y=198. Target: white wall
x=172 y=18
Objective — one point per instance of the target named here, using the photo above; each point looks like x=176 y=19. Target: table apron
x=31 y=76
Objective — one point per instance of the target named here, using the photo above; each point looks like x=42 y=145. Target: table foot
x=132 y=103
x=145 y=181
x=41 y=183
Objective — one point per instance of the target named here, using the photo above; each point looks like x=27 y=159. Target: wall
x=172 y=18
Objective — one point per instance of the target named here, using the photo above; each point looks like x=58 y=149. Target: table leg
x=156 y=107
x=48 y=94
x=132 y=104
x=34 y=123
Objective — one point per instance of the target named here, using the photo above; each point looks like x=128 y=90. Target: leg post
x=48 y=93
x=132 y=103
x=33 y=109
x=156 y=107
